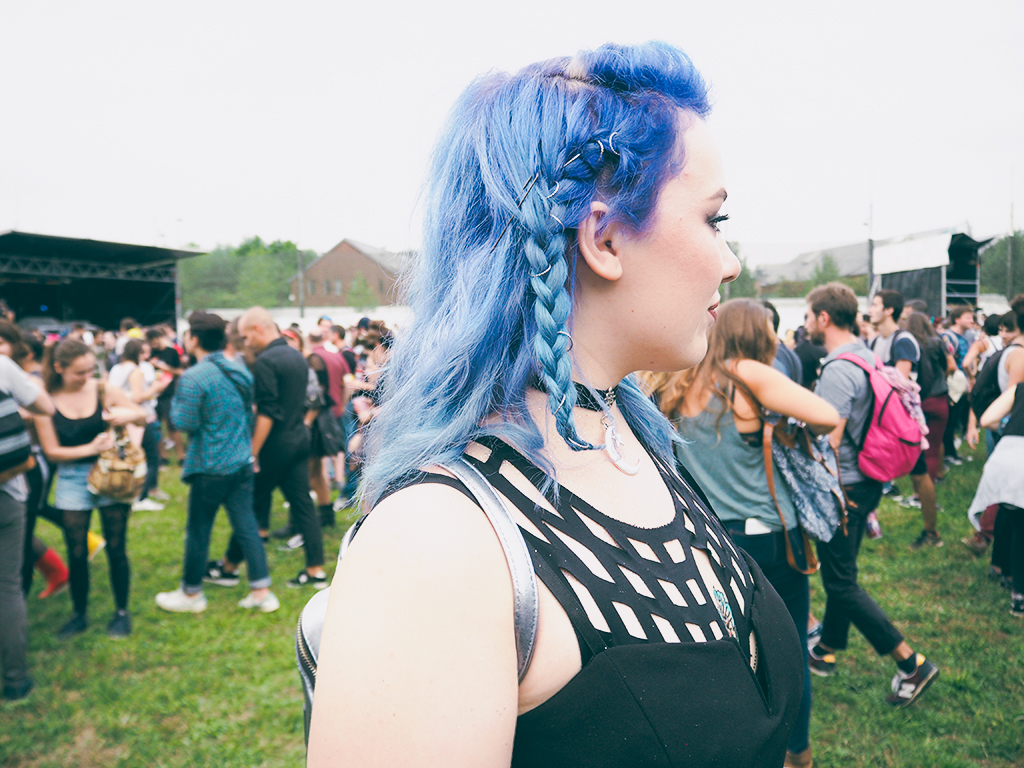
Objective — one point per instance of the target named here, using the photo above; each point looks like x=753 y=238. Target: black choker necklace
x=584 y=397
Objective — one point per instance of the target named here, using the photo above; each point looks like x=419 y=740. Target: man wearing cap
x=213 y=403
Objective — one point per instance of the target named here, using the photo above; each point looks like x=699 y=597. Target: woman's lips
x=713 y=311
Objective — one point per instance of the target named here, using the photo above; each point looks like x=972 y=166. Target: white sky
x=208 y=122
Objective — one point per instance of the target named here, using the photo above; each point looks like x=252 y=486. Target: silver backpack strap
x=520 y=564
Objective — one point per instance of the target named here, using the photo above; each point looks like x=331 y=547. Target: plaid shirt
x=209 y=406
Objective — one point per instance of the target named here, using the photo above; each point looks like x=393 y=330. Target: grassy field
x=220 y=688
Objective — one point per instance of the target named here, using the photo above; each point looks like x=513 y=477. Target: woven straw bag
x=119 y=472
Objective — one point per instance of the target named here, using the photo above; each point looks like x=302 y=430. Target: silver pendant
x=613 y=447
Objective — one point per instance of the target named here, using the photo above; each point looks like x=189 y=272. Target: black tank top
x=678 y=674
x=73 y=432
x=1015 y=426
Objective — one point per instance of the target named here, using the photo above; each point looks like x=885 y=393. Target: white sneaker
x=268 y=604
x=178 y=602
x=295 y=542
x=147 y=505
x=157 y=495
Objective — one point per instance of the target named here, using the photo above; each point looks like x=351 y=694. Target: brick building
x=329 y=280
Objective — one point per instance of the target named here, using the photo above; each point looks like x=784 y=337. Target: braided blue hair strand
x=517 y=166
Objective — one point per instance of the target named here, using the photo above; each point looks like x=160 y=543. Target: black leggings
x=115 y=530
x=39 y=483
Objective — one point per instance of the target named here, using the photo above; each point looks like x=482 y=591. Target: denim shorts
x=72 y=492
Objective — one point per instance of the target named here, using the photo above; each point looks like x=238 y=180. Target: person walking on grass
x=830 y=320
x=213 y=403
x=900 y=349
x=17 y=389
x=281 y=445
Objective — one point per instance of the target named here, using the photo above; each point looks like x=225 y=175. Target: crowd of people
x=245 y=408
x=665 y=516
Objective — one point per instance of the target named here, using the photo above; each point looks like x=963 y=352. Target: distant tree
x=744 y=286
x=825 y=272
x=361 y=295
x=993 y=267
x=252 y=273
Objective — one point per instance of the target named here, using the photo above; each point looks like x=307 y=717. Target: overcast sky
x=209 y=122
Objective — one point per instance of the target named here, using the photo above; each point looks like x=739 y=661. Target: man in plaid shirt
x=213 y=403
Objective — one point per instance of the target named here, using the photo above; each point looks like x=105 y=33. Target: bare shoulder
x=423 y=599
x=753 y=371
x=428 y=522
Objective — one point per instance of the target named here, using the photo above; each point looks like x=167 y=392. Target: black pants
x=1009 y=541
x=847 y=603
x=1002 y=540
x=958 y=411
x=291 y=475
x=39 y=480
x=151 y=447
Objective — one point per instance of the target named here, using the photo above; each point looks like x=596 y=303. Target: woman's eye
x=714 y=222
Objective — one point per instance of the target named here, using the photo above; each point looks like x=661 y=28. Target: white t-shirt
x=119 y=375
x=24 y=390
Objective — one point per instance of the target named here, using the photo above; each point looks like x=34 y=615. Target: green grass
x=220 y=688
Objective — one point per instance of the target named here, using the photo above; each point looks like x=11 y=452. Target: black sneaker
x=906 y=688
x=215 y=574
x=76 y=626
x=822 y=666
x=120 y=625
x=1017 y=606
x=20 y=691
x=305 y=580
x=928 y=539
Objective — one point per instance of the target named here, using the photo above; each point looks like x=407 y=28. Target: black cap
x=363 y=323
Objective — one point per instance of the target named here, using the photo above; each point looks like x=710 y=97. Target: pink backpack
x=892 y=443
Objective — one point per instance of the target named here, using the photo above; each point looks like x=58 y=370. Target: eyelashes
x=714 y=222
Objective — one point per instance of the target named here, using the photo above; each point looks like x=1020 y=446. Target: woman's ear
x=599 y=248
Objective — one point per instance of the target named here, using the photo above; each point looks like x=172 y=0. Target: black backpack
x=986 y=386
x=15 y=445
x=931 y=376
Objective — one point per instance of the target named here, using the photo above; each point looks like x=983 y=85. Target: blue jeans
x=205 y=496
x=769 y=552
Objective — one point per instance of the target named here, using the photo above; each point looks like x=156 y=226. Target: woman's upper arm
x=1001 y=406
x=1014 y=367
x=779 y=393
x=47 y=435
x=417 y=662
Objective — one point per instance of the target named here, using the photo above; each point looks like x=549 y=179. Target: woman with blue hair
x=570 y=238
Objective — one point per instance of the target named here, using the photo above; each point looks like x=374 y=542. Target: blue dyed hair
x=518 y=164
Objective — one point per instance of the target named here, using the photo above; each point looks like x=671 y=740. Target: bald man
x=280 y=443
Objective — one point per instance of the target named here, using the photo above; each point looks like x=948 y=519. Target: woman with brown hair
x=72 y=439
x=719 y=408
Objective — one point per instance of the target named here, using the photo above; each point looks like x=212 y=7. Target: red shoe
x=54 y=571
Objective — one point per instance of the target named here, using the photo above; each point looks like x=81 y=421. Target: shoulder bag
x=119 y=472
x=810 y=470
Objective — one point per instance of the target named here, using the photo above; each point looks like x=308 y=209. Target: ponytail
x=63 y=354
